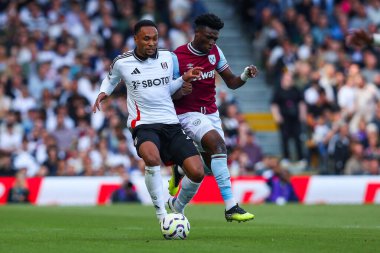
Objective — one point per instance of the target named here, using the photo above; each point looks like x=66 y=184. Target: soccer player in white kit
x=148 y=73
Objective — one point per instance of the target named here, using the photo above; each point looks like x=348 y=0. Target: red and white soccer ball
x=175 y=226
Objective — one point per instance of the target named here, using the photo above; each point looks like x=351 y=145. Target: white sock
x=153 y=182
x=188 y=190
x=222 y=176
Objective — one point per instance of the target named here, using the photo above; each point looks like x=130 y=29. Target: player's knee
x=218 y=148
x=152 y=160
x=198 y=173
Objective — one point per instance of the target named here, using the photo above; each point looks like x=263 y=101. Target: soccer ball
x=175 y=226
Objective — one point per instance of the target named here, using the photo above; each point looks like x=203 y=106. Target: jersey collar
x=193 y=50
x=155 y=56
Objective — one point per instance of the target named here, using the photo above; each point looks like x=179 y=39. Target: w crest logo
x=212 y=59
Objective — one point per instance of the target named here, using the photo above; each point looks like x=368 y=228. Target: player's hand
x=359 y=38
x=252 y=71
x=186 y=89
x=101 y=97
x=192 y=74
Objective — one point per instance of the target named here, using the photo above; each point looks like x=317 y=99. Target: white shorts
x=196 y=125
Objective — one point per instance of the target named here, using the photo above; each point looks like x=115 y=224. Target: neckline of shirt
x=193 y=50
x=155 y=56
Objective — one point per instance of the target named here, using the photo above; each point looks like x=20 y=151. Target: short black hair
x=142 y=23
x=209 y=20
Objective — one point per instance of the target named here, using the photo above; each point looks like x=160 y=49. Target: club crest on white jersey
x=164 y=65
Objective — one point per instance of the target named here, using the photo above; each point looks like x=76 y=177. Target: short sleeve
x=176 y=72
x=222 y=64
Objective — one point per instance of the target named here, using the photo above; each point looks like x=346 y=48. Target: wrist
x=244 y=76
x=183 y=79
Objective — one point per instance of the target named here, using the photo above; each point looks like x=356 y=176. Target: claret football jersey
x=148 y=84
x=202 y=98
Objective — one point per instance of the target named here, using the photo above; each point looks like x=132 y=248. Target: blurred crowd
x=326 y=95
x=54 y=54
x=53 y=57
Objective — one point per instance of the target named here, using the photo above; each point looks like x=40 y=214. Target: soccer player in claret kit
x=198 y=113
x=148 y=76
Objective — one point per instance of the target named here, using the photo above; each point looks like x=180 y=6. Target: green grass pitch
x=133 y=228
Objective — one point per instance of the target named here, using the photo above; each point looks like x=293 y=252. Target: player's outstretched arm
x=361 y=38
x=101 y=97
x=234 y=82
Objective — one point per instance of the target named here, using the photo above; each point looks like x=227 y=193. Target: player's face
x=205 y=38
x=146 y=41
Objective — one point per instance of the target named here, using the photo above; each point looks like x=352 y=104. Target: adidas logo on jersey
x=136 y=71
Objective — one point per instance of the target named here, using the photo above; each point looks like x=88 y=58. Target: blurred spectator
x=355 y=164
x=11 y=133
x=50 y=166
x=24 y=102
x=338 y=149
x=252 y=149
x=282 y=59
x=40 y=79
x=321 y=30
x=19 y=193
x=327 y=80
x=376 y=118
x=278 y=180
x=346 y=98
x=365 y=102
x=320 y=139
x=289 y=112
x=360 y=19
x=370 y=63
x=223 y=100
x=373 y=147
x=125 y=194
x=5 y=102
x=230 y=124
x=238 y=163
x=24 y=161
x=64 y=135
x=371 y=165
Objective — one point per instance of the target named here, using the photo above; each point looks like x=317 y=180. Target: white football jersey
x=150 y=85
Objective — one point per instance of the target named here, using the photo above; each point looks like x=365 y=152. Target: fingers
x=192 y=74
x=252 y=71
x=196 y=71
x=102 y=96
x=95 y=107
x=197 y=68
